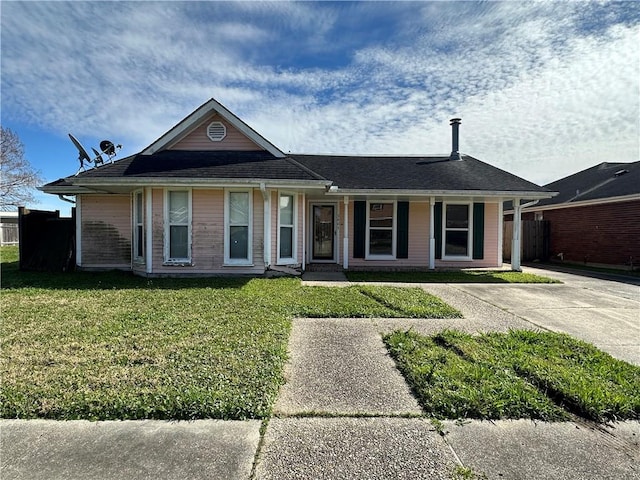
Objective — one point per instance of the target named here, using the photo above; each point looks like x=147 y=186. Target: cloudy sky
x=544 y=89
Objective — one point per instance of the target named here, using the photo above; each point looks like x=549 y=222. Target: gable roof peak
x=191 y=121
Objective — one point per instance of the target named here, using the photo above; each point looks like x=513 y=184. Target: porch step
x=323 y=267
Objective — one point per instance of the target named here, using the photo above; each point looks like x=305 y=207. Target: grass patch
x=115 y=346
x=461 y=276
x=521 y=374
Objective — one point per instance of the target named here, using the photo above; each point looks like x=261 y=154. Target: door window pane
x=323 y=232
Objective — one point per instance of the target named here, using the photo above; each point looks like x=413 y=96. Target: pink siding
x=207 y=235
x=198 y=139
x=491 y=227
x=106 y=231
x=419 y=242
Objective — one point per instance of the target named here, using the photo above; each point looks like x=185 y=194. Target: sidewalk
x=346 y=413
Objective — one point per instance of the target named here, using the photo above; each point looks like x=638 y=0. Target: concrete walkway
x=346 y=413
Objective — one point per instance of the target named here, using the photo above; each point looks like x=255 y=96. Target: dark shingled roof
x=205 y=164
x=346 y=172
x=414 y=173
x=599 y=182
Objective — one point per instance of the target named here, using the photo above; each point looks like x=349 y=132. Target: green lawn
x=521 y=374
x=462 y=276
x=116 y=346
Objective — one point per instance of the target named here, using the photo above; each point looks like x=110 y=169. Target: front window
x=457 y=231
x=286 y=228
x=381 y=224
x=138 y=227
x=178 y=220
x=238 y=214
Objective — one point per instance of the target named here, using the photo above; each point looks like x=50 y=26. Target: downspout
x=266 y=242
x=517 y=228
x=65 y=199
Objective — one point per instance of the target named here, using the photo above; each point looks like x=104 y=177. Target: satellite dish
x=107 y=147
x=83 y=156
x=98 y=158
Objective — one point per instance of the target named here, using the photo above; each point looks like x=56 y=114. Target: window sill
x=380 y=257
x=456 y=259
x=186 y=263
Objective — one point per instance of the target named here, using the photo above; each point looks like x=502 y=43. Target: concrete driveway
x=603 y=312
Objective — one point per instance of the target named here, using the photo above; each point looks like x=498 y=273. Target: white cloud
x=544 y=88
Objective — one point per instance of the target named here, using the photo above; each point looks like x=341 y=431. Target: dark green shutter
x=437 y=226
x=478 y=231
x=359 y=228
x=402 y=247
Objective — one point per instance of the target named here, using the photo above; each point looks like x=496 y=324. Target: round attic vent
x=216 y=131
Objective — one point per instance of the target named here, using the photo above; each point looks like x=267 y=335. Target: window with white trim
x=138 y=226
x=238 y=227
x=287 y=228
x=381 y=229
x=177 y=248
x=457 y=231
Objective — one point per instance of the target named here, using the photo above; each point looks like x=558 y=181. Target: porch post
x=500 y=231
x=79 y=230
x=515 y=243
x=148 y=237
x=432 y=234
x=266 y=242
x=304 y=231
x=345 y=238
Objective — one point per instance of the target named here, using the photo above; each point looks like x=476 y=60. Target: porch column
x=266 y=241
x=148 y=237
x=432 y=234
x=515 y=242
x=304 y=231
x=79 y=230
x=345 y=238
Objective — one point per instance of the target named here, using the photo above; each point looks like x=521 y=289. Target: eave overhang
x=498 y=194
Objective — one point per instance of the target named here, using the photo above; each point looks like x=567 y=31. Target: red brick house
x=595 y=218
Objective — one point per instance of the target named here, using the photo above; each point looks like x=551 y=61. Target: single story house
x=212 y=196
x=595 y=218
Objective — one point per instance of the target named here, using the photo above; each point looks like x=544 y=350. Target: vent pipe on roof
x=455 y=148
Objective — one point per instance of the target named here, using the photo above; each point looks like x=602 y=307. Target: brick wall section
x=608 y=234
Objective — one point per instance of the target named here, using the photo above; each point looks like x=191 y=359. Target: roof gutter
x=334 y=190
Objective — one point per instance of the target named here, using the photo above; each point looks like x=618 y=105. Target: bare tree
x=17 y=177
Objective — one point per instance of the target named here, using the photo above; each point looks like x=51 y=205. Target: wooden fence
x=534 y=240
x=47 y=242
